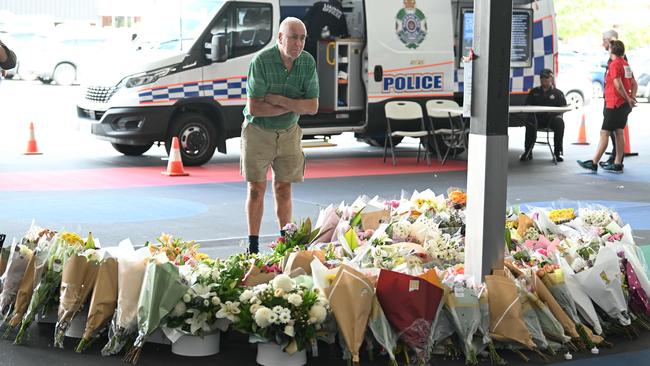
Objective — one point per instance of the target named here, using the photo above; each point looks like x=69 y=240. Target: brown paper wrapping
x=506 y=316
x=372 y=220
x=4 y=259
x=302 y=259
x=255 y=277
x=77 y=281
x=545 y=295
x=104 y=298
x=350 y=296
x=24 y=295
x=524 y=223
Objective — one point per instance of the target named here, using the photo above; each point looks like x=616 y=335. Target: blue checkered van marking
x=219 y=89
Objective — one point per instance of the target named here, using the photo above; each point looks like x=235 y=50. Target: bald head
x=290 y=23
x=291 y=38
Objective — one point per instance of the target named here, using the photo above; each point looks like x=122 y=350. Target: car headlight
x=146 y=77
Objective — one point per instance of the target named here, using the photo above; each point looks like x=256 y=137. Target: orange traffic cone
x=32 y=148
x=628 y=149
x=582 y=134
x=175 y=163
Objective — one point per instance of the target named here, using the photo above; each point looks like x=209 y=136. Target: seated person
x=545 y=95
x=324 y=20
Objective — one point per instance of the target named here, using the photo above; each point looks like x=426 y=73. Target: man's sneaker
x=588 y=164
x=559 y=158
x=606 y=162
x=526 y=156
x=614 y=168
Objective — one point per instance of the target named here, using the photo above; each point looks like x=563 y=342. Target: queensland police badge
x=411 y=25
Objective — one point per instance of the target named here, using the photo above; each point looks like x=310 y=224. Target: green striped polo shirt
x=267 y=74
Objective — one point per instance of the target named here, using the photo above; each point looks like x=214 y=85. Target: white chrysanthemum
x=295 y=299
x=278 y=309
x=179 y=309
x=263 y=317
x=273 y=318
x=187 y=298
x=401 y=230
x=284 y=318
x=246 y=296
x=283 y=282
x=317 y=314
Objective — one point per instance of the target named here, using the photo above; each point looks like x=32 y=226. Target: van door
x=411 y=44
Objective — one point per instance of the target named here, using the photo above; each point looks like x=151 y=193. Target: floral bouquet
x=462 y=303
x=411 y=305
x=19 y=259
x=131 y=266
x=32 y=276
x=259 y=268
x=603 y=283
x=198 y=311
x=177 y=250
x=446 y=249
x=162 y=288
x=46 y=292
x=281 y=312
x=350 y=296
x=102 y=302
x=77 y=282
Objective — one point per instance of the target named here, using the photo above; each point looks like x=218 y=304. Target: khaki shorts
x=279 y=149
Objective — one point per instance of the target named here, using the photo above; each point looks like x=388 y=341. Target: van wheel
x=64 y=74
x=444 y=144
x=197 y=136
x=379 y=142
x=132 y=150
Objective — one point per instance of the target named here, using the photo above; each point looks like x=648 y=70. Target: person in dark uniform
x=7 y=58
x=324 y=20
x=545 y=95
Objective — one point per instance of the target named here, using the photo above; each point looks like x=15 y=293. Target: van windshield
x=177 y=24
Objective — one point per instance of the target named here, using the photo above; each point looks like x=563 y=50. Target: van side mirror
x=218 y=48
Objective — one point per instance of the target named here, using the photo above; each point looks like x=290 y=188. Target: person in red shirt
x=620 y=92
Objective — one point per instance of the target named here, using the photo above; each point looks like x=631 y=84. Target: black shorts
x=616 y=118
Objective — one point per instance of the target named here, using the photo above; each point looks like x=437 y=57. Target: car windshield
x=178 y=24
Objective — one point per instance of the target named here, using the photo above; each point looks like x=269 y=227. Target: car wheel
x=197 y=136
x=379 y=142
x=597 y=89
x=575 y=100
x=64 y=74
x=132 y=150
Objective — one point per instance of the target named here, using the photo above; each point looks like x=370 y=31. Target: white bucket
x=195 y=346
x=158 y=337
x=77 y=325
x=270 y=354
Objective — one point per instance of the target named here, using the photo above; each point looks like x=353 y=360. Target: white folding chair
x=405 y=119
x=454 y=133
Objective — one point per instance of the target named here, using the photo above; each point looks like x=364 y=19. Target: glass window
x=521 y=36
x=247 y=27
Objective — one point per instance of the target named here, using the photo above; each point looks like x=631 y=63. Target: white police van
x=397 y=50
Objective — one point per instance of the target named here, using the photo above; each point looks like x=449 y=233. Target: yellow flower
x=202 y=256
x=165 y=238
x=72 y=238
